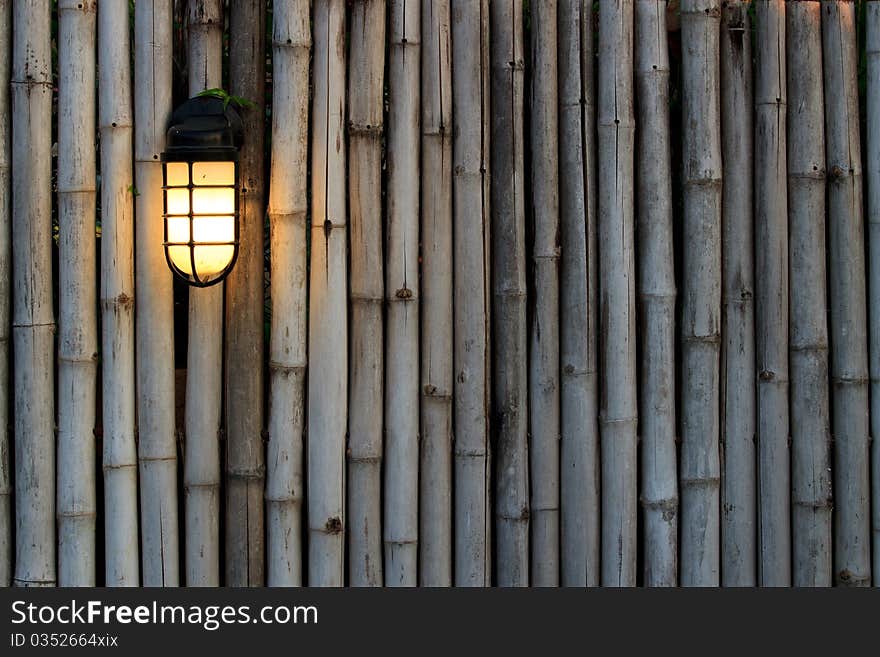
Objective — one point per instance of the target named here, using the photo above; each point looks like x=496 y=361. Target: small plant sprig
x=227 y=98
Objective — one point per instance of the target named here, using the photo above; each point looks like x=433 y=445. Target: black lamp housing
x=205 y=133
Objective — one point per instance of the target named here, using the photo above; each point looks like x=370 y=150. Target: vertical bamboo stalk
x=470 y=161
x=510 y=373
x=400 y=492
x=157 y=451
x=738 y=400
x=5 y=277
x=288 y=230
x=510 y=354
x=618 y=413
x=78 y=325
x=33 y=321
x=544 y=402
x=117 y=296
x=701 y=306
x=659 y=490
x=873 y=164
x=366 y=77
x=245 y=456
x=810 y=430
x=435 y=472
x=204 y=365
x=365 y=120
x=579 y=471
x=848 y=320
x=328 y=334
x=771 y=275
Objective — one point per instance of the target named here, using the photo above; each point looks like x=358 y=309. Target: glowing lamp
x=200 y=185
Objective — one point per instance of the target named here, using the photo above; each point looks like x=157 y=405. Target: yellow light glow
x=213 y=173
x=178 y=201
x=177 y=174
x=213 y=218
x=213 y=200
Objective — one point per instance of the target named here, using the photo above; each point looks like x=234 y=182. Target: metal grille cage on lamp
x=200 y=182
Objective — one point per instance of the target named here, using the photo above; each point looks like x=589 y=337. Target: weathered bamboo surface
x=738 y=507
x=154 y=325
x=547 y=293
x=812 y=502
x=78 y=321
x=245 y=455
x=771 y=309
x=701 y=304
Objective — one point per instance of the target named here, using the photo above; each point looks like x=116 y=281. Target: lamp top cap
x=204 y=126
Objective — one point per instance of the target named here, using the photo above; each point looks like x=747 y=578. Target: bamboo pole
x=510 y=372
x=579 y=473
x=78 y=325
x=618 y=413
x=33 y=321
x=328 y=334
x=288 y=207
x=400 y=492
x=771 y=276
x=288 y=230
x=659 y=490
x=544 y=402
x=5 y=278
x=245 y=456
x=157 y=451
x=470 y=161
x=810 y=433
x=365 y=116
x=846 y=291
x=873 y=164
x=117 y=296
x=738 y=413
x=204 y=365
x=435 y=472
x=701 y=305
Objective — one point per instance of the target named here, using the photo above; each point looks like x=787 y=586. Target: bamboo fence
x=543 y=293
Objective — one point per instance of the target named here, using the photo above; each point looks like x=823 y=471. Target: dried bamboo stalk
x=157 y=450
x=204 y=364
x=5 y=288
x=33 y=321
x=121 y=567
x=873 y=166
x=328 y=334
x=701 y=306
x=579 y=447
x=771 y=276
x=846 y=292
x=365 y=116
x=288 y=230
x=435 y=472
x=659 y=489
x=78 y=322
x=544 y=402
x=510 y=370
x=738 y=400
x=618 y=414
x=810 y=431
x=245 y=456
x=470 y=160
x=400 y=491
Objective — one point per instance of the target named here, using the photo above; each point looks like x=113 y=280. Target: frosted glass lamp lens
x=200 y=221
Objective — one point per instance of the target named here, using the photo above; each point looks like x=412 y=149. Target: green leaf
x=238 y=101
x=213 y=93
